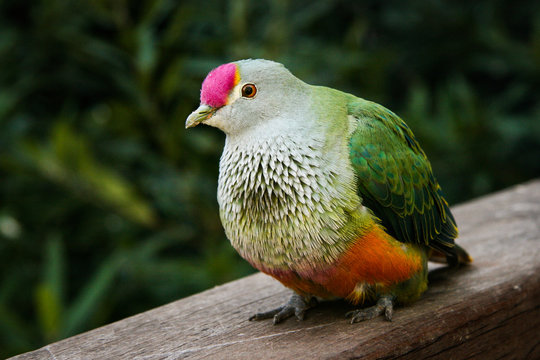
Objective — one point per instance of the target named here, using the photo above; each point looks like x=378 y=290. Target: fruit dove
x=328 y=193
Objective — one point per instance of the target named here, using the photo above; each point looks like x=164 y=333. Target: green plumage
x=395 y=179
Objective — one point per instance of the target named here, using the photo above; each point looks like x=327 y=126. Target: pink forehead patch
x=218 y=83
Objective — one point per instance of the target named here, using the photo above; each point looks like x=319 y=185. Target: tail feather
x=463 y=255
x=454 y=256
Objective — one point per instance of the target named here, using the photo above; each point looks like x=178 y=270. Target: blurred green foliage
x=108 y=206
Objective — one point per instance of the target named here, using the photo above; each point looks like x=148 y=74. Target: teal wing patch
x=395 y=179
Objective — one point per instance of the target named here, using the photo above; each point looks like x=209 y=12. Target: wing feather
x=395 y=179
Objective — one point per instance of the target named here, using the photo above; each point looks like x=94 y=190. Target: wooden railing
x=488 y=310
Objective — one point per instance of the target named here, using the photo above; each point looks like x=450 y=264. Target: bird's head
x=244 y=94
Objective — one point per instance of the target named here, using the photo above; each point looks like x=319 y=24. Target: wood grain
x=490 y=310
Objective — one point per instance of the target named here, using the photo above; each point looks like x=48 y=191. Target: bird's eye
x=249 y=90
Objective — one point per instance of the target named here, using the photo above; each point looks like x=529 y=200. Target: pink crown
x=218 y=83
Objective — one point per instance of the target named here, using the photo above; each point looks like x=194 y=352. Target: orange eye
x=249 y=90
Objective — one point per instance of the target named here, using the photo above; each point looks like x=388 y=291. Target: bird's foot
x=385 y=305
x=296 y=306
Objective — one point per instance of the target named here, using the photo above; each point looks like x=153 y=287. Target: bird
x=329 y=193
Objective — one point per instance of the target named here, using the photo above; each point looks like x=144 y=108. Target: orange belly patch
x=374 y=261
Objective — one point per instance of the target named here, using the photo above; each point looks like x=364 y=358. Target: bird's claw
x=296 y=306
x=384 y=305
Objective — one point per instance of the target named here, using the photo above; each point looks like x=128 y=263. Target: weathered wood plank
x=488 y=310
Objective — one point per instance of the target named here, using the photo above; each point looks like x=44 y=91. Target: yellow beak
x=202 y=113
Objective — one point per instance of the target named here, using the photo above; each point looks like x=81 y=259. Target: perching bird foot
x=296 y=306
x=384 y=305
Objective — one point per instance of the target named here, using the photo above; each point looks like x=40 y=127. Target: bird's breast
x=284 y=203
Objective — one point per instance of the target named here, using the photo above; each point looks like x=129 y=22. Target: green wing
x=395 y=179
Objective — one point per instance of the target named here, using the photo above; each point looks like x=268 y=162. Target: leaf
x=49 y=293
x=68 y=160
x=91 y=296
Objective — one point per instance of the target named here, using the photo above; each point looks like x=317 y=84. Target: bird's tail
x=455 y=256
x=462 y=255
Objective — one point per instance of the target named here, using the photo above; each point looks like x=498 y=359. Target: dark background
x=108 y=206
